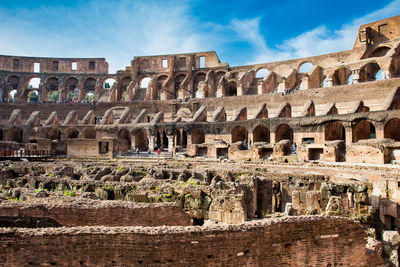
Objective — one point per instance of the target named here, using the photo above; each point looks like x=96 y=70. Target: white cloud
x=320 y=40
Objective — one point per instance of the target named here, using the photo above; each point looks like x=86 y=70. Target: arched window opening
x=71 y=133
x=123 y=93
x=11 y=95
x=53 y=134
x=33 y=96
x=145 y=82
x=341 y=76
x=324 y=83
x=34 y=83
x=334 y=131
x=261 y=134
x=15 y=135
x=350 y=79
x=392 y=129
x=231 y=89
x=90 y=96
x=305 y=67
x=239 y=133
x=198 y=136
x=141 y=140
x=284 y=132
x=160 y=81
x=52 y=96
x=363 y=130
x=262 y=73
x=124 y=140
x=369 y=72
x=196 y=81
x=89 y=133
x=108 y=84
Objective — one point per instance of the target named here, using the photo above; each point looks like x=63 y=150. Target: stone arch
x=16 y=135
x=32 y=96
x=11 y=95
x=305 y=67
x=380 y=51
x=341 y=76
x=180 y=138
x=363 y=129
x=261 y=73
x=261 y=134
x=392 y=129
x=89 y=133
x=13 y=82
x=142 y=140
x=144 y=82
x=239 y=133
x=124 y=140
x=54 y=134
x=334 y=131
x=71 y=84
x=108 y=82
x=71 y=133
x=89 y=84
x=370 y=72
x=198 y=136
x=283 y=131
x=231 y=89
x=34 y=82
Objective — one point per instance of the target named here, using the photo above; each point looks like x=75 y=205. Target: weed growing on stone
x=69 y=193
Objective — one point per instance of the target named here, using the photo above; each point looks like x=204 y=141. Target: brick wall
x=294 y=241
x=106 y=215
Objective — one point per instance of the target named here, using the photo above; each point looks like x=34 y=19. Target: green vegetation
x=51 y=175
x=154 y=188
x=140 y=172
x=108 y=187
x=69 y=193
x=119 y=169
x=14 y=199
x=264 y=213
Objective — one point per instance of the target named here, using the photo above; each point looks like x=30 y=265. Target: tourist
x=294 y=148
x=138 y=151
x=159 y=152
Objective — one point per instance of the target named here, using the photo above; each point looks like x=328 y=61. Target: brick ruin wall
x=314 y=241
x=113 y=214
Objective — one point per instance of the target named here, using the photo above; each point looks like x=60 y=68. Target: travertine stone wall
x=294 y=241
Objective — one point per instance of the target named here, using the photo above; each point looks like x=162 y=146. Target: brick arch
x=334 y=131
x=142 y=140
x=363 y=129
x=197 y=136
x=282 y=132
x=239 y=133
x=89 y=133
x=53 y=134
x=261 y=134
x=71 y=133
x=392 y=129
x=15 y=134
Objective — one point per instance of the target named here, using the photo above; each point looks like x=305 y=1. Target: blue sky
x=241 y=32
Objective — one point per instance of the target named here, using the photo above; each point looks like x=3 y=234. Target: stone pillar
x=349 y=132
x=220 y=91
x=170 y=142
x=151 y=143
x=356 y=75
x=272 y=137
x=385 y=75
x=304 y=82
x=379 y=130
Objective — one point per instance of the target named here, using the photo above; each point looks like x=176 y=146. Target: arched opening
x=142 y=140
x=71 y=133
x=334 y=131
x=89 y=96
x=239 y=133
x=13 y=82
x=165 y=140
x=108 y=84
x=380 y=51
x=262 y=73
x=178 y=81
x=324 y=83
x=158 y=142
x=52 y=96
x=284 y=132
x=341 y=76
x=52 y=89
x=350 y=79
x=370 y=72
x=196 y=81
x=34 y=83
x=89 y=133
x=261 y=134
x=160 y=81
x=145 y=82
x=33 y=96
x=124 y=140
x=392 y=129
x=11 y=95
x=71 y=85
x=15 y=135
x=53 y=134
x=231 y=89
x=363 y=129
x=305 y=67
x=1 y=134
x=198 y=136
x=123 y=92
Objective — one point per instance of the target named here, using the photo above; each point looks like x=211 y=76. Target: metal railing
x=25 y=153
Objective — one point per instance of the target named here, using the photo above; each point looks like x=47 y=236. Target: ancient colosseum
x=182 y=160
